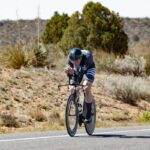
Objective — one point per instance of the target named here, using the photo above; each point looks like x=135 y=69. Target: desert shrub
x=104 y=61
x=17 y=56
x=55 y=115
x=37 y=55
x=130 y=65
x=144 y=117
x=41 y=54
x=136 y=38
x=120 y=117
x=44 y=106
x=104 y=64
x=9 y=120
x=128 y=89
x=48 y=55
x=38 y=115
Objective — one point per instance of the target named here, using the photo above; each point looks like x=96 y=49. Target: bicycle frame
x=76 y=87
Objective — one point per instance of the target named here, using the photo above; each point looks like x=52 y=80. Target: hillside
x=30 y=100
x=10 y=31
x=26 y=30
x=137 y=29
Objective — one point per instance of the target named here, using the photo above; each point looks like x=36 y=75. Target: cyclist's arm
x=90 y=72
x=90 y=62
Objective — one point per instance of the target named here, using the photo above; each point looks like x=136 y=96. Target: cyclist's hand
x=69 y=70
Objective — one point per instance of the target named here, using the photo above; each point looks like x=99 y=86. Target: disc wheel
x=90 y=127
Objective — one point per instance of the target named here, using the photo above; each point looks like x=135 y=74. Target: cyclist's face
x=76 y=62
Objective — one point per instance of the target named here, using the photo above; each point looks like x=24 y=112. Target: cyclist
x=81 y=67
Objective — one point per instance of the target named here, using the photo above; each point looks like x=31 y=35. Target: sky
x=28 y=9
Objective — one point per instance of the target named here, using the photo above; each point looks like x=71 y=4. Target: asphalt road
x=125 y=138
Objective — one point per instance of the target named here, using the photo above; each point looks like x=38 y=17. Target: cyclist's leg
x=88 y=99
x=88 y=96
x=87 y=90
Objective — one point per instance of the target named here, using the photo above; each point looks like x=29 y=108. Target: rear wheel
x=71 y=116
x=90 y=127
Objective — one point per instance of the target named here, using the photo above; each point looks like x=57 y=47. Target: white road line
x=34 y=138
x=62 y=136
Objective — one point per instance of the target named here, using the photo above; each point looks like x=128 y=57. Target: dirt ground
x=30 y=100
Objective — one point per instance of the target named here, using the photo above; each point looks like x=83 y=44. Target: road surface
x=123 y=138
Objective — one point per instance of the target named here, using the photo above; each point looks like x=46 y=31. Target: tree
x=95 y=28
x=54 y=28
x=75 y=35
x=105 y=29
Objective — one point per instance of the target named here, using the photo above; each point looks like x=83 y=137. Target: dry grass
x=32 y=55
x=115 y=64
x=38 y=115
x=104 y=61
x=129 y=89
x=17 y=56
x=120 y=117
x=130 y=65
x=142 y=49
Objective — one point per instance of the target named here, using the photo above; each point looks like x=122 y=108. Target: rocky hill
x=137 y=29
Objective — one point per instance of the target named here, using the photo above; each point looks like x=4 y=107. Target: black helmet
x=75 y=54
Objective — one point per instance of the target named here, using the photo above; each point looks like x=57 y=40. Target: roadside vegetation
x=30 y=73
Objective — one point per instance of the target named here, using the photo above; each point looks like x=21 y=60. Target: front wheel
x=90 y=127
x=71 y=115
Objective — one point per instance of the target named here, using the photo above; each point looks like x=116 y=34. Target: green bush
x=41 y=54
x=144 y=117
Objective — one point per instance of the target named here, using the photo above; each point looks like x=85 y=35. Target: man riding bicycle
x=81 y=68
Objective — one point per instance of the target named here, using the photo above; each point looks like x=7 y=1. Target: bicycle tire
x=70 y=100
